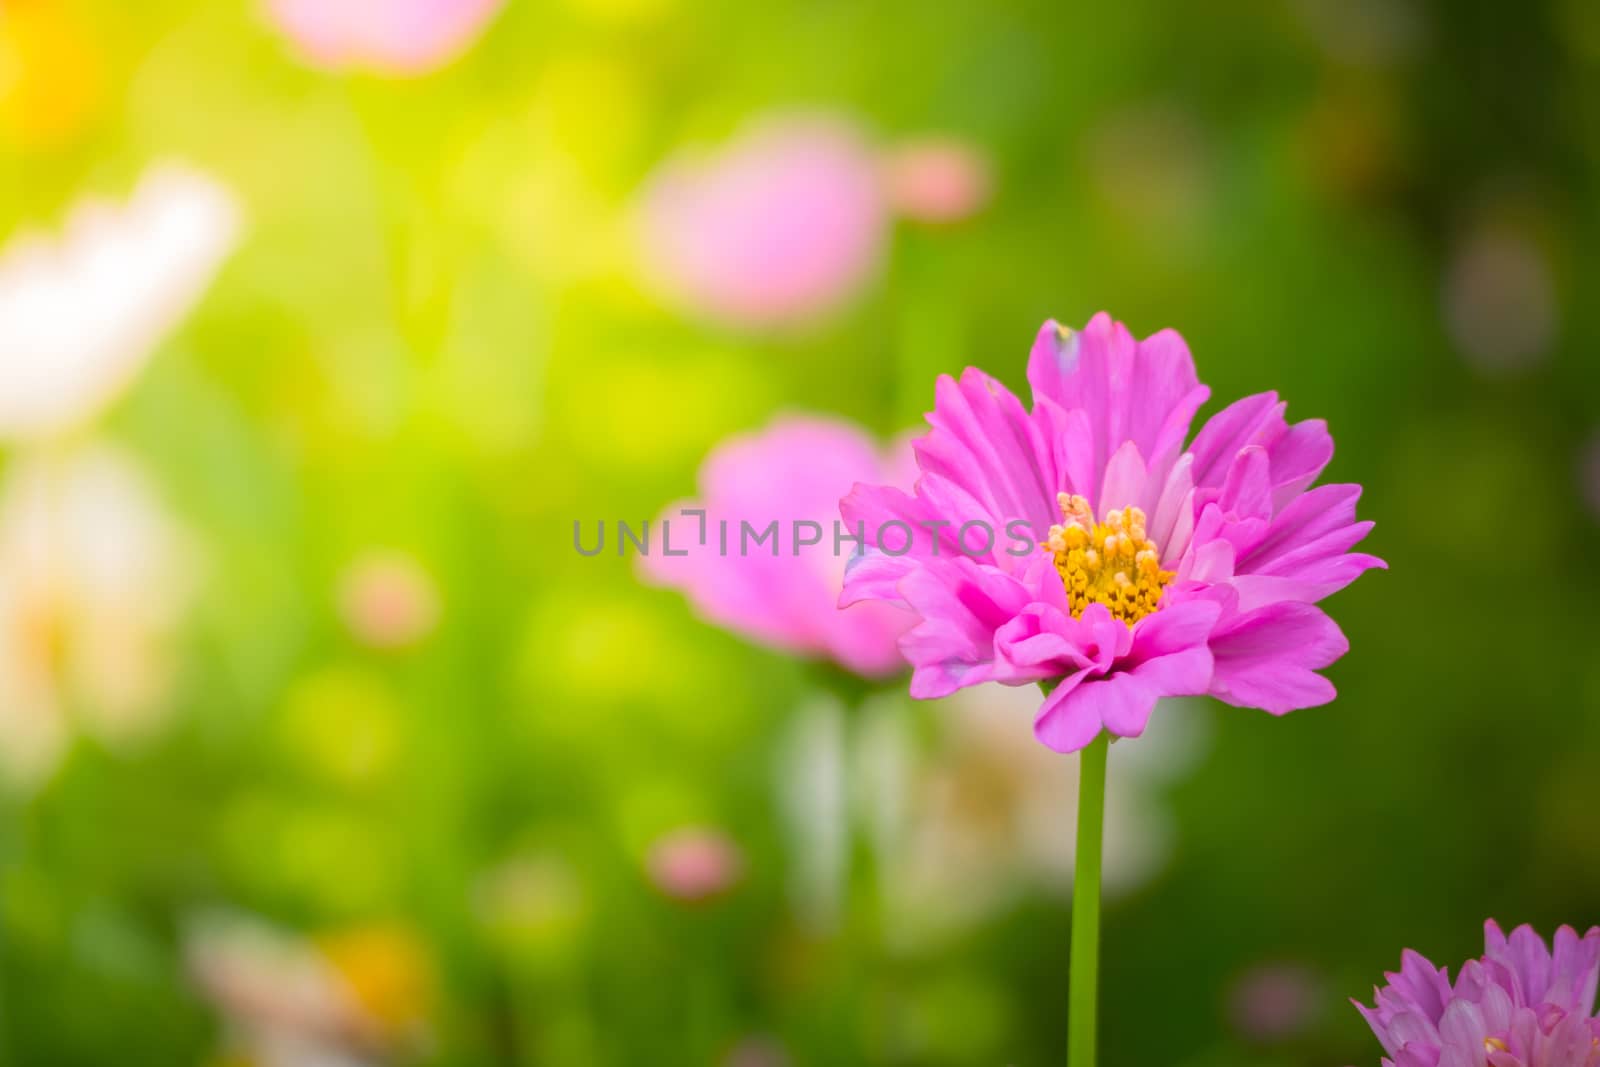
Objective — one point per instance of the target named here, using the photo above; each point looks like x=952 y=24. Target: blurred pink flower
x=1274 y=1002
x=395 y=37
x=694 y=863
x=388 y=600
x=793 y=471
x=357 y=995
x=784 y=224
x=1499 y=300
x=81 y=313
x=937 y=179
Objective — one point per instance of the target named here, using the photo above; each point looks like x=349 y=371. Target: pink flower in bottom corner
x=1519 y=1005
x=395 y=37
x=1088 y=544
x=776 y=591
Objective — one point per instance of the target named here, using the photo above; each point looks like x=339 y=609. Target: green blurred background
x=432 y=349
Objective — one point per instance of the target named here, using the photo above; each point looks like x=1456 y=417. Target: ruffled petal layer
x=1140 y=391
x=1268 y=658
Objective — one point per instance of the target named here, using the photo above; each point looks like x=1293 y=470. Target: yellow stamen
x=1111 y=562
x=1494 y=1044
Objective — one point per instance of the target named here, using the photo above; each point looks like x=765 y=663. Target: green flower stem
x=1083 y=973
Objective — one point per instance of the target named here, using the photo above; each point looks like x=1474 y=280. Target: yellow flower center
x=1111 y=562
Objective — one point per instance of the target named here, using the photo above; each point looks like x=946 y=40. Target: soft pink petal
x=1065 y=725
x=1044 y=641
x=1072 y=447
x=1302 y=554
x=1033 y=642
x=1267 y=658
x=1144 y=392
x=1246 y=490
x=1575 y=970
x=984 y=441
x=1296 y=454
x=1166 y=655
x=1122 y=702
x=397 y=37
x=1307 y=518
x=872 y=573
x=961 y=604
x=793 y=470
x=1174 y=629
x=1124 y=482
x=1251 y=420
x=1172 y=519
x=1173 y=657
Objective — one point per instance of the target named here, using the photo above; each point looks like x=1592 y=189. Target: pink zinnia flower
x=396 y=37
x=778 y=593
x=1121 y=565
x=1520 y=1005
x=781 y=226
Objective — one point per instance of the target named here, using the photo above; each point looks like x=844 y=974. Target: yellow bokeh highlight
x=50 y=74
x=386 y=971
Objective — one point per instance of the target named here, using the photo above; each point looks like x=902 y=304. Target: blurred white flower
x=995 y=812
x=94 y=578
x=351 y=999
x=812 y=779
x=81 y=313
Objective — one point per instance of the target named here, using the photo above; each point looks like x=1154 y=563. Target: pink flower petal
x=1267 y=658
